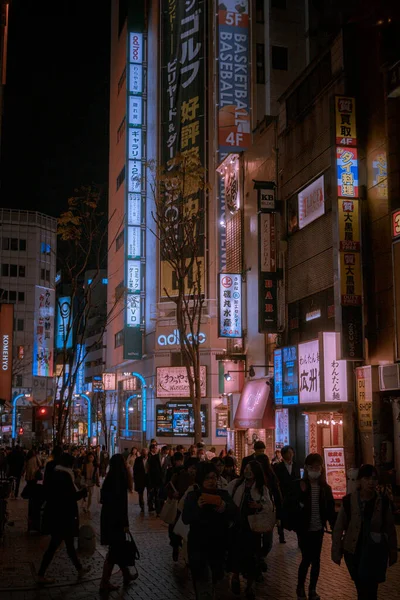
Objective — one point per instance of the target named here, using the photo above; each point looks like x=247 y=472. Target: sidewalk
x=159 y=577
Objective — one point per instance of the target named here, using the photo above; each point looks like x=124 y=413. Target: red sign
x=396 y=224
x=336 y=471
x=6 y=348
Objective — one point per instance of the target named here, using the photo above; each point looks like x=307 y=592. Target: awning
x=255 y=409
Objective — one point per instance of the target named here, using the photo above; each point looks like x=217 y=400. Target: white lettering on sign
x=5 y=356
x=174 y=338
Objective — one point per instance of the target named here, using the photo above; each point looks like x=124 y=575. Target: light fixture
x=131 y=409
x=27 y=395
x=227 y=376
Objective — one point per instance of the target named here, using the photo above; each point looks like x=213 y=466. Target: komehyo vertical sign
x=182 y=99
x=352 y=337
x=6 y=349
x=267 y=278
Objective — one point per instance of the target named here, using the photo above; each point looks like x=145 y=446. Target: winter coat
x=140 y=477
x=114 y=514
x=297 y=506
x=61 y=516
x=285 y=478
x=347 y=531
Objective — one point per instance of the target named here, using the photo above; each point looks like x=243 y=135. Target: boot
x=312 y=594
x=105 y=585
x=128 y=577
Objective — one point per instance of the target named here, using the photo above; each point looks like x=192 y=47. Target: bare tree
x=178 y=191
x=82 y=231
x=107 y=409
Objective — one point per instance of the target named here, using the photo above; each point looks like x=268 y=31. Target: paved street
x=160 y=578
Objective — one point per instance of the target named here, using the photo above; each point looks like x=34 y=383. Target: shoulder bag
x=170 y=509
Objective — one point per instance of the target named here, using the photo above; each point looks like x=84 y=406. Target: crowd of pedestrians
x=221 y=518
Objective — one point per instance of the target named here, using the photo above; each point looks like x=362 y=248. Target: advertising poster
x=349 y=227
x=64 y=323
x=177 y=419
x=43 y=332
x=183 y=85
x=172 y=382
x=290 y=379
x=6 y=347
x=281 y=428
x=109 y=381
x=364 y=399
x=345 y=112
x=230 y=305
x=347 y=172
x=309 y=372
x=311 y=202
x=234 y=64
x=336 y=471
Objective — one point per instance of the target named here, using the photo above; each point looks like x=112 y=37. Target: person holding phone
x=209 y=511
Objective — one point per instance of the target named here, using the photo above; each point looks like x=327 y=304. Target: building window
x=14 y=244
x=18 y=381
x=119 y=242
x=13 y=270
x=119 y=291
x=278 y=4
x=259 y=11
x=47 y=275
x=121 y=130
x=45 y=248
x=3 y=295
x=5 y=244
x=260 y=62
x=121 y=178
x=5 y=270
x=22 y=245
x=21 y=296
x=122 y=80
x=279 y=58
x=21 y=271
x=12 y=296
x=18 y=324
x=119 y=339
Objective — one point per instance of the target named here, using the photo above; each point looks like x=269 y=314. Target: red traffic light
x=21 y=431
x=42 y=411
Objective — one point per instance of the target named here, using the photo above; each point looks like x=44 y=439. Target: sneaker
x=44 y=580
x=235 y=586
x=312 y=595
x=84 y=571
x=301 y=594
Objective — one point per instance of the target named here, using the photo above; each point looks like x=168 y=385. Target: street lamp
x=14 y=415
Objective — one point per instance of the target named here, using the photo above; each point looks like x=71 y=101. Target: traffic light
x=21 y=431
x=43 y=413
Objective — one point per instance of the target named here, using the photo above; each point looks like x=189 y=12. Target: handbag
x=170 y=509
x=262 y=522
x=181 y=529
x=128 y=552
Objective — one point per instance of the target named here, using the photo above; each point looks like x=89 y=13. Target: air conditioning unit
x=389 y=377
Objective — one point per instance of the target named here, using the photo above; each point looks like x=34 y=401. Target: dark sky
x=55 y=128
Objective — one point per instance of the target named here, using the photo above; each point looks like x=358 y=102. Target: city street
x=160 y=578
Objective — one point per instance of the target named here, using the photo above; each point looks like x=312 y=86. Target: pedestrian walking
x=365 y=535
x=229 y=473
x=222 y=483
x=209 y=512
x=104 y=461
x=61 y=517
x=310 y=505
x=114 y=522
x=140 y=477
x=276 y=496
x=157 y=466
x=287 y=471
x=130 y=461
x=90 y=474
x=259 y=452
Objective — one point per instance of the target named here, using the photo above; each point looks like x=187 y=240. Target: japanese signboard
x=80 y=368
x=286 y=376
x=352 y=334
x=379 y=173
x=311 y=202
x=6 y=345
x=335 y=371
x=281 y=428
x=309 y=375
x=267 y=235
x=349 y=228
x=64 y=324
x=177 y=419
x=230 y=305
x=350 y=278
x=109 y=381
x=234 y=76
x=364 y=399
x=347 y=172
x=267 y=277
x=345 y=110
x=182 y=101
x=335 y=471
x=312 y=446
x=172 y=382
x=232 y=183
x=396 y=224
x=136 y=184
x=43 y=332
x=266 y=196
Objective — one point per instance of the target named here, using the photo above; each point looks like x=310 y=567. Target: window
x=259 y=11
x=119 y=291
x=260 y=62
x=12 y=296
x=22 y=245
x=14 y=244
x=5 y=244
x=121 y=177
x=279 y=58
x=5 y=270
x=278 y=4
x=42 y=273
x=121 y=130
x=119 y=242
x=119 y=339
x=47 y=275
x=21 y=271
x=3 y=295
x=45 y=248
x=13 y=270
x=122 y=80
x=18 y=381
x=18 y=324
x=21 y=296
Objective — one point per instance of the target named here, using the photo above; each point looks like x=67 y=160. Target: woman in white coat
x=252 y=497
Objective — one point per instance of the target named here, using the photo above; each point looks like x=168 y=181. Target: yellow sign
x=350 y=278
x=349 y=226
x=345 y=111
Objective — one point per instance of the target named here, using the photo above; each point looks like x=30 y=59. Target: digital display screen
x=290 y=378
x=177 y=419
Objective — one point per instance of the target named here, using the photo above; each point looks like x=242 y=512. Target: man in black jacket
x=259 y=455
x=140 y=477
x=287 y=472
x=157 y=467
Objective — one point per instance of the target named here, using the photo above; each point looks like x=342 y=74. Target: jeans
x=310 y=543
x=56 y=541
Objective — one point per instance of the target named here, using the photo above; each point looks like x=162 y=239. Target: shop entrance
x=322 y=430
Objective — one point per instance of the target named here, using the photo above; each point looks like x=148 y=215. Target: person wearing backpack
x=365 y=535
x=310 y=505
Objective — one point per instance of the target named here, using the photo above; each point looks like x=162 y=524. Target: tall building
x=4 y=12
x=28 y=267
x=187 y=81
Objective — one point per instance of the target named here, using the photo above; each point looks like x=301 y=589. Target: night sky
x=55 y=128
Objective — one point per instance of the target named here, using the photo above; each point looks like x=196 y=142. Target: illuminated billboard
x=43 y=332
x=6 y=349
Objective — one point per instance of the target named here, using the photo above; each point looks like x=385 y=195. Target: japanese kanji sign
x=172 y=382
x=345 y=110
x=286 y=376
x=309 y=375
x=230 y=305
x=267 y=276
x=349 y=227
x=335 y=467
x=364 y=399
x=350 y=279
x=335 y=371
x=311 y=202
x=43 y=332
x=347 y=171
